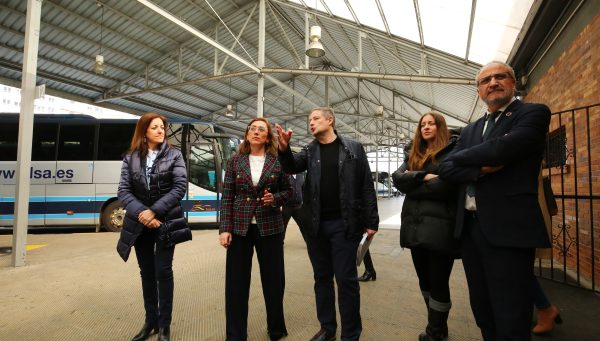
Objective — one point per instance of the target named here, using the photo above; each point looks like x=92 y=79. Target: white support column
x=32 y=36
x=260 y=97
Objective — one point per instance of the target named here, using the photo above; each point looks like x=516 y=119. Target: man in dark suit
x=292 y=206
x=339 y=206
x=497 y=161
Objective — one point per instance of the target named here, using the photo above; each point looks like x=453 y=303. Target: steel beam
x=260 y=94
x=198 y=34
x=370 y=75
x=374 y=32
x=175 y=85
x=473 y=7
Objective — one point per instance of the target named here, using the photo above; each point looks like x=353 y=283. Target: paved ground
x=75 y=287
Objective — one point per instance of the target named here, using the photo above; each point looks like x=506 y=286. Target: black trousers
x=332 y=254
x=269 y=250
x=499 y=280
x=286 y=213
x=156 y=269
x=368 y=262
x=433 y=270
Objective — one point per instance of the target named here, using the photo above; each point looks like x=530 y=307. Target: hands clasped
x=147 y=217
x=268 y=198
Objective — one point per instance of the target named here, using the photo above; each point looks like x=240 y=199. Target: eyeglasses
x=498 y=76
x=255 y=129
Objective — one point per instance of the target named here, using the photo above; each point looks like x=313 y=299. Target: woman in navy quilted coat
x=153 y=182
x=254 y=190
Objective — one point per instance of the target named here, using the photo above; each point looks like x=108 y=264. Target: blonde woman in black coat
x=153 y=182
x=428 y=219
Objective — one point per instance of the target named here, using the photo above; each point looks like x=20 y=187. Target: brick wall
x=573 y=81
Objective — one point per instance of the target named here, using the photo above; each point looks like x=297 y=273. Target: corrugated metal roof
x=141 y=51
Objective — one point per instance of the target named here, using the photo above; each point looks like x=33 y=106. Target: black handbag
x=175 y=231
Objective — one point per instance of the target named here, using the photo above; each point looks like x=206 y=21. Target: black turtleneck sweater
x=330 y=184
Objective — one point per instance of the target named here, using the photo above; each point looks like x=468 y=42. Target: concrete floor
x=75 y=287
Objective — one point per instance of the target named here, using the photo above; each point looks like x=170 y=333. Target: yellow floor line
x=30 y=247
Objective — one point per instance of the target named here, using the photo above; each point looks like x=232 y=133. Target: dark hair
x=270 y=146
x=422 y=151
x=138 y=141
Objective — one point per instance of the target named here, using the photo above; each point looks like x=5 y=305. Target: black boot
x=368 y=276
x=147 y=330
x=437 y=326
x=164 y=334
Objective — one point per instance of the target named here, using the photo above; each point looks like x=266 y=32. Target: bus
x=76 y=166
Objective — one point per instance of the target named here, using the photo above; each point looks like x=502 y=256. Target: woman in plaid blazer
x=254 y=190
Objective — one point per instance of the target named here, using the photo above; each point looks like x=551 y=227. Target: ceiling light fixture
x=315 y=48
x=229 y=108
x=99 y=66
x=379 y=109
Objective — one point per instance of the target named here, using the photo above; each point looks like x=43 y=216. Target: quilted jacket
x=163 y=194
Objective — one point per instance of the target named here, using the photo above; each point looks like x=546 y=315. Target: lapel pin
x=508 y=114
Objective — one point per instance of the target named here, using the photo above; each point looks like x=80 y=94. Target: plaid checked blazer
x=242 y=200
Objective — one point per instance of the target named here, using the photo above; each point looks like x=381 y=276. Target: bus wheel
x=113 y=216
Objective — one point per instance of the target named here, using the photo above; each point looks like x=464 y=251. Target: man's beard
x=501 y=101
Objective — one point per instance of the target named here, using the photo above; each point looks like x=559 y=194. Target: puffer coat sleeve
x=126 y=192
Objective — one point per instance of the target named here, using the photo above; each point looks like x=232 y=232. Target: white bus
x=76 y=166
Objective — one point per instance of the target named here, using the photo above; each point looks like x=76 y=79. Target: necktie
x=491 y=122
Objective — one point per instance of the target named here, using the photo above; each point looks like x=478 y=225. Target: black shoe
x=277 y=336
x=164 y=334
x=324 y=335
x=368 y=276
x=147 y=330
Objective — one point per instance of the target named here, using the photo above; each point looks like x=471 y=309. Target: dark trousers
x=499 y=280
x=286 y=213
x=238 y=269
x=540 y=300
x=368 y=262
x=156 y=269
x=433 y=270
x=332 y=254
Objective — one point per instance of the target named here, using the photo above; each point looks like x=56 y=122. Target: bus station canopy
x=386 y=61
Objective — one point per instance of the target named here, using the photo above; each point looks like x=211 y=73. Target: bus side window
x=76 y=143
x=43 y=146
x=8 y=141
x=114 y=141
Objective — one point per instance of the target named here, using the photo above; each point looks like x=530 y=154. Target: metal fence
x=572 y=163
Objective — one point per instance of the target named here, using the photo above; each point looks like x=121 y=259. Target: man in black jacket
x=339 y=206
x=497 y=162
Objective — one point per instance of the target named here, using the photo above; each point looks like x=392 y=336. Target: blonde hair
x=327 y=113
